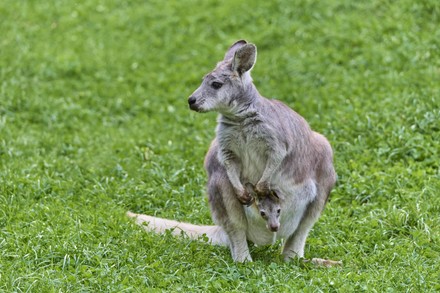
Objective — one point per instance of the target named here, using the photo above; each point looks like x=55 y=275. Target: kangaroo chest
x=249 y=145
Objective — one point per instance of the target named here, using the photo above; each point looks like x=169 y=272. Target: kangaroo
x=262 y=142
x=268 y=205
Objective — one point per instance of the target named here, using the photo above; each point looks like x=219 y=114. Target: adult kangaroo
x=261 y=142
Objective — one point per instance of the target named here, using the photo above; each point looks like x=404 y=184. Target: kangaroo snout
x=273 y=227
x=192 y=100
x=192 y=103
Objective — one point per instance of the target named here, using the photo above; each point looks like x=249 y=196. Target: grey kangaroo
x=262 y=142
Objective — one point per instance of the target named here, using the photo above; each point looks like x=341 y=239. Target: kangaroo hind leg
x=294 y=246
x=228 y=213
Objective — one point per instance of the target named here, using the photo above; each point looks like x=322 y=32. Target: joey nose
x=273 y=228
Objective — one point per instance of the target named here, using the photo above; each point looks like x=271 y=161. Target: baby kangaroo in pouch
x=264 y=143
x=268 y=205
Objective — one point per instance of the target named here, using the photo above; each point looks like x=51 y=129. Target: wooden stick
x=324 y=262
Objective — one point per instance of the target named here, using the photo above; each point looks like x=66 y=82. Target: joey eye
x=263 y=214
x=216 y=85
x=278 y=211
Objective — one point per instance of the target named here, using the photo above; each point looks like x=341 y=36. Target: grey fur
x=266 y=144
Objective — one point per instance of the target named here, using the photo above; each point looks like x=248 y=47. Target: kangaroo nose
x=192 y=100
x=273 y=228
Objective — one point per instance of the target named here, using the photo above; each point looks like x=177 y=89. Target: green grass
x=94 y=122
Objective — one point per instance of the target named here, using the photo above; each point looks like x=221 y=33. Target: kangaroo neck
x=243 y=106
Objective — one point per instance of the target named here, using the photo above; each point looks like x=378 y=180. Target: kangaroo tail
x=216 y=235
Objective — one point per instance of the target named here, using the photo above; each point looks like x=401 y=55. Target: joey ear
x=244 y=58
x=234 y=47
x=250 y=188
x=276 y=195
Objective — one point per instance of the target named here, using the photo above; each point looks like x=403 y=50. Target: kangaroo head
x=226 y=88
x=269 y=206
x=270 y=210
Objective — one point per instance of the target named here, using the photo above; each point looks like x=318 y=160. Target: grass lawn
x=94 y=122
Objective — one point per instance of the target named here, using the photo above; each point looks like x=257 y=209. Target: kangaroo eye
x=216 y=85
x=263 y=214
x=278 y=211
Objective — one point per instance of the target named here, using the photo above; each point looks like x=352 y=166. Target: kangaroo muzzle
x=192 y=102
x=273 y=227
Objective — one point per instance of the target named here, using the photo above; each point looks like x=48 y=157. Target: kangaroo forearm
x=233 y=171
x=272 y=165
x=232 y=166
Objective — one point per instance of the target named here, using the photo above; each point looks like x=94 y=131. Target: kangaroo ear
x=234 y=47
x=276 y=195
x=250 y=188
x=244 y=58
